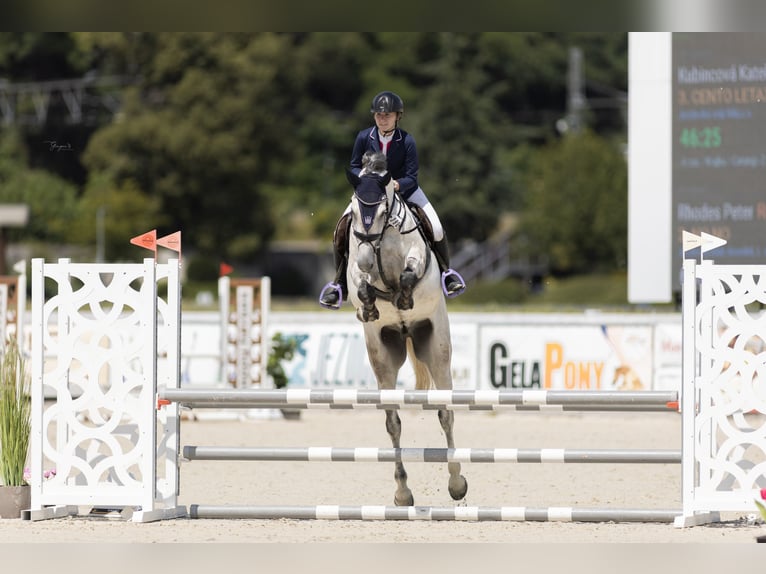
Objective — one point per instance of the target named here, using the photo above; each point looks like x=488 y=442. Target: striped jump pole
x=432 y=399
x=467 y=513
x=463 y=455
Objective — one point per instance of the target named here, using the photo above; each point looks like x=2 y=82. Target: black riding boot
x=452 y=282
x=334 y=292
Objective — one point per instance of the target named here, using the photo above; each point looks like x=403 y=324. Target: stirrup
x=448 y=273
x=330 y=288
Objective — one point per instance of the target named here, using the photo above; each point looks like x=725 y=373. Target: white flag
x=690 y=241
x=710 y=242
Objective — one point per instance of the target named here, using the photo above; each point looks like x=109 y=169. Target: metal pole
x=404 y=398
x=466 y=455
x=470 y=513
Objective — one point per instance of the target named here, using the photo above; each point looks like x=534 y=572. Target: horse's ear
x=352 y=178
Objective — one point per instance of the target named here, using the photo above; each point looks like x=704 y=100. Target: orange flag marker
x=147 y=240
x=172 y=241
x=225 y=269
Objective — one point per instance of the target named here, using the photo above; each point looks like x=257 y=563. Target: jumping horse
x=395 y=285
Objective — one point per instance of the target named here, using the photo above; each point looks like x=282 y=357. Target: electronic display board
x=719 y=144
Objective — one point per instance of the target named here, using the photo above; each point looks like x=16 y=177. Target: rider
x=402 y=157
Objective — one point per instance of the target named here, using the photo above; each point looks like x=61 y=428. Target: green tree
x=576 y=204
x=52 y=200
x=206 y=134
x=123 y=210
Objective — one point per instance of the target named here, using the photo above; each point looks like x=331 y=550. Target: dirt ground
x=580 y=485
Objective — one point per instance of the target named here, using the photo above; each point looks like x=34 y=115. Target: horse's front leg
x=366 y=294
x=403 y=299
x=457 y=485
x=365 y=259
x=414 y=269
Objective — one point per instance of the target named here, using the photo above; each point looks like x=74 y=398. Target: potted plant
x=15 y=431
x=762 y=509
x=282 y=349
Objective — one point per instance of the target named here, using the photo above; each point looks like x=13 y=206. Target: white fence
x=723 y=388
x=104 y=341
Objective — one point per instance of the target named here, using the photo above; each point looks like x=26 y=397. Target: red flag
x=146 y=240
x=224 y=270
x=172 y=241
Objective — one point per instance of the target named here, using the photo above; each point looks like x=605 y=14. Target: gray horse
x=390 y=261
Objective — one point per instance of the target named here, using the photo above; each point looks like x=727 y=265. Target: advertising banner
x=565 y=357
x=487 y=353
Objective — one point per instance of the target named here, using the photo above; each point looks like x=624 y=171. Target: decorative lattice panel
x=97 y=331
x=728 y=433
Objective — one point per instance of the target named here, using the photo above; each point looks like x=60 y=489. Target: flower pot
x=14 y=499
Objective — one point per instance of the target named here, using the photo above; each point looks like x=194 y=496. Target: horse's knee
x=407 y=279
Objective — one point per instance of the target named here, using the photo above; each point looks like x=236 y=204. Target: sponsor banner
x=565 y=357
x=485 y=355
x=335 y=356
x=668 y=343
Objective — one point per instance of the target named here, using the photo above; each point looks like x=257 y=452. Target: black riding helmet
x=387 y=102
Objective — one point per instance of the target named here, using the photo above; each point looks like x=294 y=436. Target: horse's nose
x=365 y=258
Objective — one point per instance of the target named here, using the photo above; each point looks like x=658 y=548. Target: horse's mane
x=374 y=162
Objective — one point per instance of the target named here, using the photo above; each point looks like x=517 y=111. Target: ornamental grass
x=15 y=415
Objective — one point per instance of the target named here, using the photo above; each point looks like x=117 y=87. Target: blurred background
x=240 y=140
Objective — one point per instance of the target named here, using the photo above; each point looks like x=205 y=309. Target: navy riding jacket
x=402 y=157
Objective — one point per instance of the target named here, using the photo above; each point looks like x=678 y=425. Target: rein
x=395 y=218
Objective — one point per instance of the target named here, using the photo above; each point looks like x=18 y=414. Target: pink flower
x=763 y=493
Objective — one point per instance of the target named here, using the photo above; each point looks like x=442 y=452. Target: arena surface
x=588 y=485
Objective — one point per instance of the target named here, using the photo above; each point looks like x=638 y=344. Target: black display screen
x=719 y=143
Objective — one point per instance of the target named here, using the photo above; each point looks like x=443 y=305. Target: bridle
x=395 y=216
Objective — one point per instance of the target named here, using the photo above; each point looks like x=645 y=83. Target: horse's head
x=370 y=190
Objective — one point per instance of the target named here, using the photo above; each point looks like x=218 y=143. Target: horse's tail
x=422 y=375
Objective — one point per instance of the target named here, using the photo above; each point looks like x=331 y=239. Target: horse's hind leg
x=458 y=485
x=403 y=495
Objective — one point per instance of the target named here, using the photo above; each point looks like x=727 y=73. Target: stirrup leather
x=330 y=288
x=450 y=273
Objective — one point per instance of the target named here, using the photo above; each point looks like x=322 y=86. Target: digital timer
x=704 y=137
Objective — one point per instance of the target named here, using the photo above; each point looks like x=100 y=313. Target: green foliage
x=505 y=292
x=282 y=349
x=52 y=201
x=126 y=212
x=15 y=415
x=591 y=289
x=576 y=209
x=202 y=268
x=241 y=138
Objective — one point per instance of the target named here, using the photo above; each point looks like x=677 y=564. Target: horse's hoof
x=459 y=490
x=404 y=498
